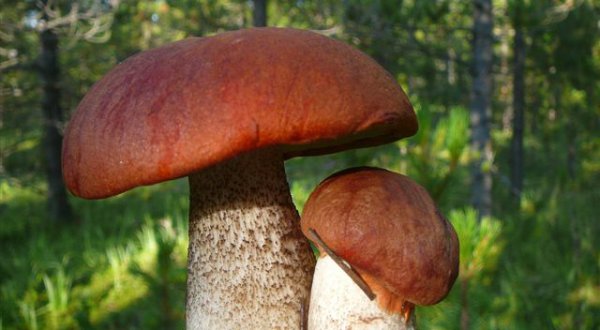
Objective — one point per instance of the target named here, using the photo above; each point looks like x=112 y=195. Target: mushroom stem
x=249 y=266
x=343 y=265
x=338 y=303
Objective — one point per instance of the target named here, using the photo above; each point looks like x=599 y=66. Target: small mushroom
x=227 y=111
x=386 y=228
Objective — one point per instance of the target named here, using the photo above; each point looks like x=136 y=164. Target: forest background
x=507 y=94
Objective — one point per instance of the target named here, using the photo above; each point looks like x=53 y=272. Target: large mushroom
x=385 y=230
x=226 y=111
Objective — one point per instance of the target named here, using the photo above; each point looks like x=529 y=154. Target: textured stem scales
x=249 y=266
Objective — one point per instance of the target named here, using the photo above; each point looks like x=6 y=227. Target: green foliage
x=123 y=265
x=480 y=243
x=57 y=290
x=438 y=151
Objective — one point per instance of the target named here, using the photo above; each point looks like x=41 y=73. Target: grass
x=107 y=271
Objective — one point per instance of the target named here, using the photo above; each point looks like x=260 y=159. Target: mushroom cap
x=174 y=110
x=387 y=227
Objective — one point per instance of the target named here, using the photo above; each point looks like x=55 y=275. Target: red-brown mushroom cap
x=387 y=227
x=173 y=110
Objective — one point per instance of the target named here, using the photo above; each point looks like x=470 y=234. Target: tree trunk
x=481 y=188
x=464 y=303
x=260 y=13
x=518 y=124
x=48 y=68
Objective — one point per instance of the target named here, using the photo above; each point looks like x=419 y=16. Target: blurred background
x=508 y=98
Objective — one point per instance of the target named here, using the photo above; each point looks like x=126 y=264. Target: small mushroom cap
x=174 y=110
x=387 y=227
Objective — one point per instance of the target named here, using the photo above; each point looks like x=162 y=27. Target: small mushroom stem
x=249 y=266
x=343 y=265
x=336 y=302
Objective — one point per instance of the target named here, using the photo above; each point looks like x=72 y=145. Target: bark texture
x=249 y=266
x=481 y=189
x=49 y=71
x=259 y=13
x=518 y=124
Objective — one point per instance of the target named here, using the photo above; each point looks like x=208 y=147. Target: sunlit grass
x=93 y=272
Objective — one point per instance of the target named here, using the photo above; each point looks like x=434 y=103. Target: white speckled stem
x=338 y=303
x=249 y=266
